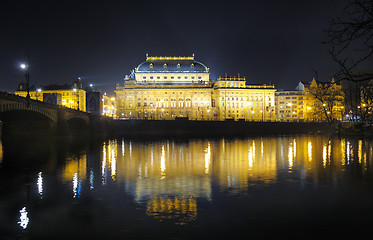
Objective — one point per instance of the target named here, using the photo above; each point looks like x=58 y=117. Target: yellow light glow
x=360 y=151
x=168 y=58
x=324 y=155
x=309 y=150
x=290 y=156
x=207 y=158
x=163 y=163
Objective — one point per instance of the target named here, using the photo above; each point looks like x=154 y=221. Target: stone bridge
x=20 y=115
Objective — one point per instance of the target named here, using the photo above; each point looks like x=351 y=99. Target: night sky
x=266 y=41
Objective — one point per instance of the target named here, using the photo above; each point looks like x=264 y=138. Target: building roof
x=171 y=64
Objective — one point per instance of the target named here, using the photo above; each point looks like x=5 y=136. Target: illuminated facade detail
x=108 y=106
x=72 y=98
x=311 y=102
x=234 y=99
x=290 y=106
x=324 y=101
x=165 y=88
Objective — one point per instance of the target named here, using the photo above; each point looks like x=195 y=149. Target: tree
x=326 y=100
x=351 y=47
x=351 y=40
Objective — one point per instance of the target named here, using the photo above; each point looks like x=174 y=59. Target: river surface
x=280 y=186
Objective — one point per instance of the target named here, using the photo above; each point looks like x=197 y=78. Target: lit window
x=178 y=65
x=165 y=65
x=151 y=65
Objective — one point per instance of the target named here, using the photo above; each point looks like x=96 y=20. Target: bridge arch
x=19 y=123
x=78 y=126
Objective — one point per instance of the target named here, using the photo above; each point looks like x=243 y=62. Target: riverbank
x=122 y=128
x=354 y=128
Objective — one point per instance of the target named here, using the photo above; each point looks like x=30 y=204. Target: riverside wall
x=152 y=128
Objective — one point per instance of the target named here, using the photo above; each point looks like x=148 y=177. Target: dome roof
x=172 y=64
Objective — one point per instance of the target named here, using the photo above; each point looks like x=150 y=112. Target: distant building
x=290 y=106
x=94 y=102
x=109 y=106
x=179 y=87
x=71 y=96
x=323 y=101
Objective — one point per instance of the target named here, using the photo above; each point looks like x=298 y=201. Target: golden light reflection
x=1 y=152
x=169 y=176
x=309 y=148
x=180 y=209
x=290 y=156
x=163 y=163
x=343 y=151
x=207 y=158
x=74 y=172
x=360 y=150
x=109 y=160
x=324 y=155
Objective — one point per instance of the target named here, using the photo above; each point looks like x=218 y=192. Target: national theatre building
x=166 y=88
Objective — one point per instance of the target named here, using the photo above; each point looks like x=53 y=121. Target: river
x=276 y=186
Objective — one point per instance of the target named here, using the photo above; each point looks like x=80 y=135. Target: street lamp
x=26 y=66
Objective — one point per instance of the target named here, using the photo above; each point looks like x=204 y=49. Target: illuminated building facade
x=165 y=88
x=324 y=101
x=66 y=95
x=311 y=102
x=109 y=106
x=290 y=106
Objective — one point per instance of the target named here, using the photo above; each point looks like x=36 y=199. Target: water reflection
x=75 y=172
x=1 y=152
x=40 y=184
x=169 y=176
x=172 y=180
x=23 y=219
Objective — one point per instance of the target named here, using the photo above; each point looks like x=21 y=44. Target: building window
x=151 y=65
x=165 y=65
x=178 y=65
